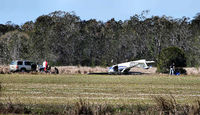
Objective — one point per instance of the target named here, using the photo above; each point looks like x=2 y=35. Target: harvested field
x=99 y=94
x=111 y=89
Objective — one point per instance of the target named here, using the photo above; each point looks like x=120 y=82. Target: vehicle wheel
x=23 y=70
x=41 y=70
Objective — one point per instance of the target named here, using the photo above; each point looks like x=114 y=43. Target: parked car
x=22 y=66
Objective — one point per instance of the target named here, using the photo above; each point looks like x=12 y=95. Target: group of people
x=173 y=70
x=47 y=68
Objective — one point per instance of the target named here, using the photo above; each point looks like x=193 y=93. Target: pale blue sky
x=20 y=11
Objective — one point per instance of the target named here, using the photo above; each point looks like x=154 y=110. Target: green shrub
x=169 y=56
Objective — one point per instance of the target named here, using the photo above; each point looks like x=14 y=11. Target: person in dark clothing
x=56 y=71
x=33 y=67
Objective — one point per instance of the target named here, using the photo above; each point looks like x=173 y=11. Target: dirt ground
x=87 y=70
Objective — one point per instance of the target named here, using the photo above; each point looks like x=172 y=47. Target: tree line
x=64 y=39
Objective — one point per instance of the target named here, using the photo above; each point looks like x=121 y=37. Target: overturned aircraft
x=124 y=68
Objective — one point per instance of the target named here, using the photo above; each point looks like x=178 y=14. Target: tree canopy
x=64 y=39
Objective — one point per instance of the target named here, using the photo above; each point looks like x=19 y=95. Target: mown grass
x=98 y=89
x=99 y=94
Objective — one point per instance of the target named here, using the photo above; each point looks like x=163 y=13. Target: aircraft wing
x=125 y=67
x=142 y=63
x=150 y=61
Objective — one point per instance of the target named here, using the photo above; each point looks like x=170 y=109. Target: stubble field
x=98 y=89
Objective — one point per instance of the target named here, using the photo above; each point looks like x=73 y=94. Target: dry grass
x=85 y=70
x=163 y=106
x=97 y=94
x=80 y=69
x=4 y=69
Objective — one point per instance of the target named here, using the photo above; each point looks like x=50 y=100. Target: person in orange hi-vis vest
x=45 y=65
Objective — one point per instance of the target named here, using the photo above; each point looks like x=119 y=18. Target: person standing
x=45 y=65
x=172 y=69
x=171 y=72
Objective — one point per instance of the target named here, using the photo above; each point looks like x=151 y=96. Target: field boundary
x=86 y=70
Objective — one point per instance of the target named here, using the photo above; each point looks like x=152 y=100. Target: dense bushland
x=64 y=39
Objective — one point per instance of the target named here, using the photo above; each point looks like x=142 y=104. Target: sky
x=21 y=11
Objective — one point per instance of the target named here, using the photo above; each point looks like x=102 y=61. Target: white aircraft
x=125 y=67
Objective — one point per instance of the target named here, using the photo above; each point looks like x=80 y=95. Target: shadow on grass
x=129 y=73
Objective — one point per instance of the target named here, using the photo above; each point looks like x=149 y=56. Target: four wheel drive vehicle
x=23 y=66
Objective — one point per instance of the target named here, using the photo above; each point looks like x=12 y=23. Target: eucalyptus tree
x=14 y=45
